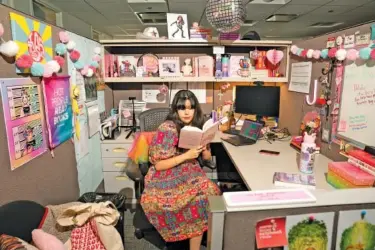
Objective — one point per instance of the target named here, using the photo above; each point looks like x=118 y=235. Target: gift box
x=351 y=174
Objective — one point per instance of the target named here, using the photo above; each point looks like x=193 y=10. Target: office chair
x=150 y=120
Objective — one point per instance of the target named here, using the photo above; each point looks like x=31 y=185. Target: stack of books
x=200 y=34
x=282 y=179
x=343 y=175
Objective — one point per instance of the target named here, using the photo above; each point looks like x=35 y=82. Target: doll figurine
x=187 y=69
x=180 y=24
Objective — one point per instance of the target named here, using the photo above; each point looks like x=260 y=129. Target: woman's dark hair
x=178 y=103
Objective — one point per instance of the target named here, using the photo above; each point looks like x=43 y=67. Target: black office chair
x=150 y=120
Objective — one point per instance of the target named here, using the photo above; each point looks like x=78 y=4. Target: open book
x=192 y=137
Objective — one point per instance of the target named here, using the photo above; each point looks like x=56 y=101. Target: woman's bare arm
x=170 y=163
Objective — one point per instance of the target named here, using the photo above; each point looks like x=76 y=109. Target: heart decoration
x=274 y=56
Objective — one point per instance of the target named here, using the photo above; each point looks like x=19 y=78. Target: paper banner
x=58 y=109
x=24 y=120
x=81 y=145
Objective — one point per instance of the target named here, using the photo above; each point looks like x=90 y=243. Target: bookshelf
x=193 y=79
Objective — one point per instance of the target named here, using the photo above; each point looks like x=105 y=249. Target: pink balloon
x=85 y=70
x=372 y=55
x=48 y=70
x=64 y=37
x=316 y=54
x=352 y=54
x=274 y=56
x=96 y=58
x=294 y=49
x=1 y=30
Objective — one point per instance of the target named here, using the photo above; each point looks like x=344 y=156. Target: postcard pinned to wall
x=58 y=106
x=24 y=120
x=152 y=94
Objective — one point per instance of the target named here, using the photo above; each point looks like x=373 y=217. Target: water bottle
x=308 y=148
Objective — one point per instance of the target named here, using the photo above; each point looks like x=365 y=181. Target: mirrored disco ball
x=226 y=15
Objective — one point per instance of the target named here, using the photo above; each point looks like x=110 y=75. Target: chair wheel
x=138 y=234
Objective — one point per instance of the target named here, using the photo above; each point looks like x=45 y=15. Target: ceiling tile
x=259 y=12
x=110 y=7
x=73 y=6
x=297 y=9
x=310 y=2
x=332 y=10
x=349 y=2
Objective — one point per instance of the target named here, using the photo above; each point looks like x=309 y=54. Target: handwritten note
x=342 y=126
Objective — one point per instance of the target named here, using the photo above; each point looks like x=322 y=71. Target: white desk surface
x=257 y=172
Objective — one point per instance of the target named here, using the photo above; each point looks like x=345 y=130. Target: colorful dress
x=175 y=200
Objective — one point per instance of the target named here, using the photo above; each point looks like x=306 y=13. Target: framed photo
x=169 y=67
x=177 y=26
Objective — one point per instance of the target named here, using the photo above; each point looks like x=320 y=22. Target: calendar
x=24 y=120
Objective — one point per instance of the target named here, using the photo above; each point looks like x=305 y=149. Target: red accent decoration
x=41 y=223
x=372 y=55
x=60 y=60
x=332 y=53
x=311 y=218
x=321 y=101
x=271 y=233
x=74 y=55
x=304 y=53
x=93 y=68
x=363 y=156
x=24 y=61
x=35 y=46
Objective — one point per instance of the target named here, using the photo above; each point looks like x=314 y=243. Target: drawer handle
x=119 y=164
x=119 y=150
x=121 y=178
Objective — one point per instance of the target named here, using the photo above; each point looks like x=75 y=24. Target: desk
x=257 y=172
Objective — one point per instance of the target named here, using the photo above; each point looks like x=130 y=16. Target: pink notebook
x=268 y=197
x=352 y=173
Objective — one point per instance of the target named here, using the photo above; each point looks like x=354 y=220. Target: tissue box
x=351 y=174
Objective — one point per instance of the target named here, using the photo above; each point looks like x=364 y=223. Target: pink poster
x=24 y=120
x=59 y=114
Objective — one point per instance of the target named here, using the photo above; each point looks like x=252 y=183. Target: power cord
x=272 y=135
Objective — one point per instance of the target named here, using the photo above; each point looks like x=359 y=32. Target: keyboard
x=232 y=132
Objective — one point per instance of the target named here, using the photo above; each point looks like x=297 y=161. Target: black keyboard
x=232 y=132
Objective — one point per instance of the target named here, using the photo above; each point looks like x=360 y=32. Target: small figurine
x=187 y=69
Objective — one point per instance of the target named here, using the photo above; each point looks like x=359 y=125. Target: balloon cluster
x=7 y=48
x=68 y=46
x=335 y=53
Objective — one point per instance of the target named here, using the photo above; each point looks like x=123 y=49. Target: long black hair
x=178 y=103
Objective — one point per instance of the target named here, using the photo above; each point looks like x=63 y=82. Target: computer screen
x=257 y=100
x=251 y=129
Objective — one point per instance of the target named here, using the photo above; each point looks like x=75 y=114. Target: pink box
x=352 y=174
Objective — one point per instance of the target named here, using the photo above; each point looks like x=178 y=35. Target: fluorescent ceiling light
x=281 y=17
x=325 y=25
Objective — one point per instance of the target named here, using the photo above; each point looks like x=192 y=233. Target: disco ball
x=226 y=15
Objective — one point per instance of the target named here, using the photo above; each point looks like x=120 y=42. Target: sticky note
x=342 y=126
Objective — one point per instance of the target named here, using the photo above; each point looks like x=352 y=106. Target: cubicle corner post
x=215 y=234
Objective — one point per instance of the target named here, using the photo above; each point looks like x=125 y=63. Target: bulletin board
x=357 y=112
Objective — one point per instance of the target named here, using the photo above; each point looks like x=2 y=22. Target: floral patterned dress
x=175 y=200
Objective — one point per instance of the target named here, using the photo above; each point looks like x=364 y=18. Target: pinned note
x=270 y=232
x=343 y=126
x=126 y=113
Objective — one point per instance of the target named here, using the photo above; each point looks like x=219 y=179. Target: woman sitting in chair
x=175 y=198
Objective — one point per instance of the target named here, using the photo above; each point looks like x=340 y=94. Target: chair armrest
x=208 y=164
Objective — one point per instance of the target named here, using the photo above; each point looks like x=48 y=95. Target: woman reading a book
x=176 y=188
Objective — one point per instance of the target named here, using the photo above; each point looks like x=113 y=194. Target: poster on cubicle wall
x=58 y=108
x=356 y=230
x=24 y=120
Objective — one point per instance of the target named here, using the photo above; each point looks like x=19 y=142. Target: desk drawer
x=115 y=150
x=115 y=182
x=114 y=164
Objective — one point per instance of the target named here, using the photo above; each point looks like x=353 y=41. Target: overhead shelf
x=192 y=79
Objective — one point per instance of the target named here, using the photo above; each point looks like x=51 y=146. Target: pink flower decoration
x=304 y=53
x=294 y=49
x=85 y=70
x=332 y=53
x=96 y=58
x=48 y=70
x=372 y=54
x=93 y=68
x=64 y=37
x=1 y=30
x=60 y=60
x=74 y=55
x=316 y=54
x=352 y=54
x=24 y=62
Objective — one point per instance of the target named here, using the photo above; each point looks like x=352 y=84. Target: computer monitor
x=257 y=100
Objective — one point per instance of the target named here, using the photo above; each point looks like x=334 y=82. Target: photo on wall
x=91 y=88
x=309 y=231
x=177 y=25
x=356 y=230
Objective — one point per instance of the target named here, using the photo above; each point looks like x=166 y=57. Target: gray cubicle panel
x=239 y=227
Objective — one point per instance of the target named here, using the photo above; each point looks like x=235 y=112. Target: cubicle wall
x=239 y=227
x=45 y=179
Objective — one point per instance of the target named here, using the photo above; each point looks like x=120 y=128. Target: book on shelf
x=362 y=165
x=192 y=137
x=282 y=179
x=362 y=156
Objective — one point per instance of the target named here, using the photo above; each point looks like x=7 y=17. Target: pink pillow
x=45 y=241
